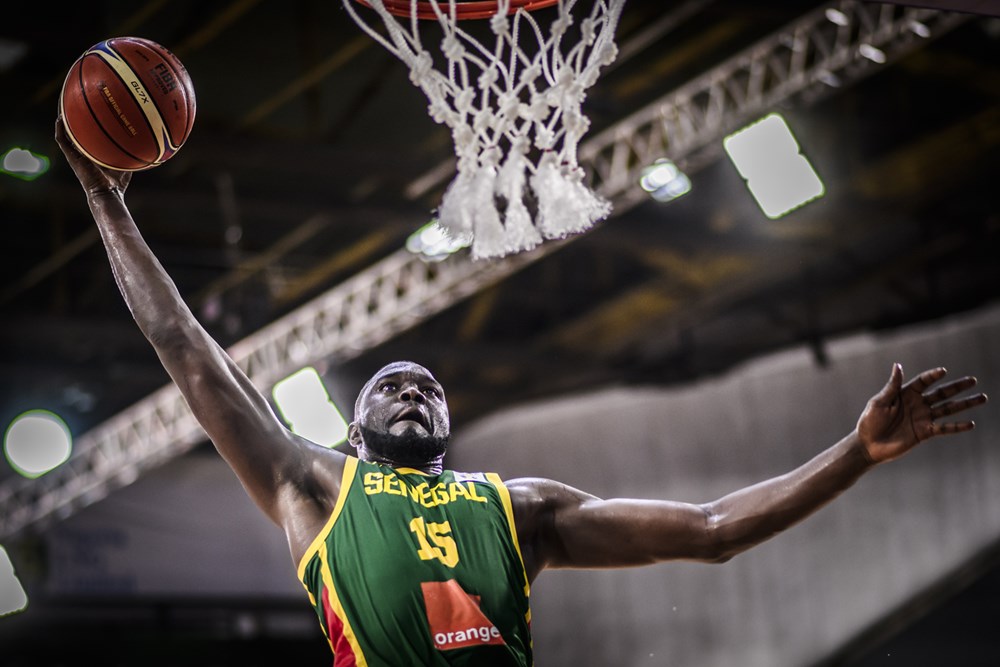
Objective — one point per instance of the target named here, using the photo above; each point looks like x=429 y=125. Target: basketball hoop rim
x=478 y=9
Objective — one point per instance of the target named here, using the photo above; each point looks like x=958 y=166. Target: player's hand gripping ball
x=128 y=104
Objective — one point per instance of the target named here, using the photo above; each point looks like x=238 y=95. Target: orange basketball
x=128 y=104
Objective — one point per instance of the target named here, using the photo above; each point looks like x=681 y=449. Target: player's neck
x=435 y=467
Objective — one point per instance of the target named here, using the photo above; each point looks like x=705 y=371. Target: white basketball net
x=504 y=108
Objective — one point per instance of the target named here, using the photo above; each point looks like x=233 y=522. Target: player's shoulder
x=533 y=492
x=535 y=495
x=322 y=471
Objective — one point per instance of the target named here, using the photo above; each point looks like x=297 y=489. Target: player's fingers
x=948 y=428
x=887 y=395
x=953 y=407
x=926 y=379
x=950 y=389
x=61 y=134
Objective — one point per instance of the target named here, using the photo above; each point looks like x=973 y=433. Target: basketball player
x=409 y=564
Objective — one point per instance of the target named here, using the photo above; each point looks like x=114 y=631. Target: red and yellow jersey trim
x=339 y=630
x=340 y=634
x=350 y=467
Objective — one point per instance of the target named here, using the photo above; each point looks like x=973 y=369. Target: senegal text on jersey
x=423 y=493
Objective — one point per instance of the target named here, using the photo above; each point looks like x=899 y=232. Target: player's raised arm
x=287 y=477
x=559 y=526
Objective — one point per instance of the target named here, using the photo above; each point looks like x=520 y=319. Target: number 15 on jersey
x=434 y=541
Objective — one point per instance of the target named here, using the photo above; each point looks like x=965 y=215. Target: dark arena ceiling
x=301 y=175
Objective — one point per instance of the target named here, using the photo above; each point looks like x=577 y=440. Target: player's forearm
x=747 y=517
x=149 y=292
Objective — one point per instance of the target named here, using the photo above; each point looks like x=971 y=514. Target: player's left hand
x=900 y=416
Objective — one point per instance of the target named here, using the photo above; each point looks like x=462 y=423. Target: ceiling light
x=433 y=242
x=768 y=157
x=874 y=54
x=36 y=442
x=664 y=181
x=306 y=408
x=12 y=595
x=23 y=164
x=919 y=29
x=837 y=17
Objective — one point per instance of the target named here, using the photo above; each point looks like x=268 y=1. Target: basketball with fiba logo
x=128 y=103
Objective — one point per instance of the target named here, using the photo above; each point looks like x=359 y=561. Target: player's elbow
x=717 y=554
x=717 y=547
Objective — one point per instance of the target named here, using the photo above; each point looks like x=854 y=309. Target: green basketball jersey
x=415 y=569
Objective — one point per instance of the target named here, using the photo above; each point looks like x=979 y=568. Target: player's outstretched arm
x=271 y=462
x=559 y=526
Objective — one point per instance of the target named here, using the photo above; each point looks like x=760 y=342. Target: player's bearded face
x=409 y=448
x=402 y=417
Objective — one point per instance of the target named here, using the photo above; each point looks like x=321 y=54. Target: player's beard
x=409 y=449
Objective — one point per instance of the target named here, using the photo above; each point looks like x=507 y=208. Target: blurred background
x=694 y=342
